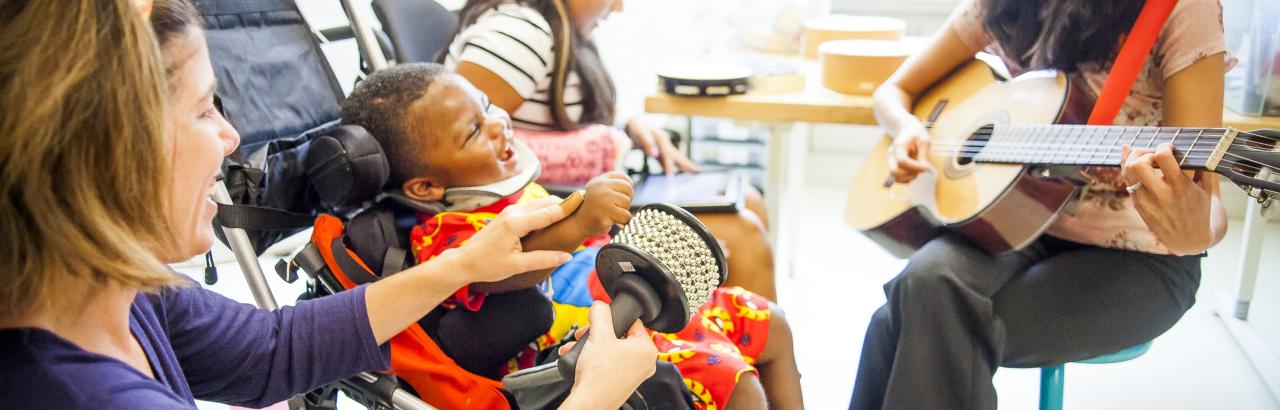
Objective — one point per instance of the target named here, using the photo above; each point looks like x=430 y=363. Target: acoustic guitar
x=1005 y=161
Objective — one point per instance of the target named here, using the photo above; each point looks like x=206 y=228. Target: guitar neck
x=1088 y=145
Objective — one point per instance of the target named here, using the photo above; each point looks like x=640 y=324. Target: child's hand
x=607 y=203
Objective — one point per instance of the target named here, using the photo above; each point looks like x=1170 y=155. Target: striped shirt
x=514 y=41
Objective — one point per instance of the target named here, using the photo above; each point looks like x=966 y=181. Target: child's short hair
x=380 y=104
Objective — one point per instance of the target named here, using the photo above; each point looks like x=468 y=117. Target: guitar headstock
x=1252 y=161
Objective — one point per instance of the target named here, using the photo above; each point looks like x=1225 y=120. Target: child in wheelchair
x=452 y=157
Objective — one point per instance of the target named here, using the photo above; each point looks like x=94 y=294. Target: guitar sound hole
x=974 y=144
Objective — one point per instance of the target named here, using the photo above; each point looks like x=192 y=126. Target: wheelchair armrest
x=371 y=390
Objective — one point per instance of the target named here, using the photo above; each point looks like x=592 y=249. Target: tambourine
x=704 y=79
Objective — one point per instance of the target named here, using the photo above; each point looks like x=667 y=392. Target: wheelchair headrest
x=346 y=168
x=418 y=29
x=273 y=79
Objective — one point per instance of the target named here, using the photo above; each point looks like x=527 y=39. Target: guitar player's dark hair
x=571 y=52
x=1059 y=34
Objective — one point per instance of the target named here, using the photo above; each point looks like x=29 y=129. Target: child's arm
x=607 y=202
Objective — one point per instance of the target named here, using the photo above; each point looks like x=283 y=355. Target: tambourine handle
x=634 y=298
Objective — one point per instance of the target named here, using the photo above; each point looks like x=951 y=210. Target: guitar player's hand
x=1175 y=206
x=909 y=154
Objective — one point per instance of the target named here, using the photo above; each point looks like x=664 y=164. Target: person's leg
x=934 y=343
x=779 y=374
x=753 y=200
x=879 y=346
x=750 y=257
x=749 y=394
x=1092 y=301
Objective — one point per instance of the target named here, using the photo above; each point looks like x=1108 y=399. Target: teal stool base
x=1051 y=378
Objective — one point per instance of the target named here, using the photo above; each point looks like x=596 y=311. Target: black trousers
x=956 y=314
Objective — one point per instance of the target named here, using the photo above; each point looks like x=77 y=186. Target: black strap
x=261 y=218
x=312 y=261
x=393 y=260
x=349 y=266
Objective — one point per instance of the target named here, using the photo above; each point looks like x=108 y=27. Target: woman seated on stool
x=107 y=166
x=1119 y=272
x=535 y=59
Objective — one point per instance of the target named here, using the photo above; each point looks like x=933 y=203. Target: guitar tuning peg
x=1265 y=198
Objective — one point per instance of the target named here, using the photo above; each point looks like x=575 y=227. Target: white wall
x=922 y=16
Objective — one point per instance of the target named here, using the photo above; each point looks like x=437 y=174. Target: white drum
x=846 y=27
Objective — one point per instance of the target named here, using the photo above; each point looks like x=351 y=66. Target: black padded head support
x=346 y=168
x=380 y=237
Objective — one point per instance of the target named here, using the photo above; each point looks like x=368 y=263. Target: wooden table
x=816 y=104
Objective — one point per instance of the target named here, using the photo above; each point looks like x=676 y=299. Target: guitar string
x=1249 y=164
x=1252 y=165
x=1158 y=130
x=971 y=146
x=1246 y=168
x=1007 y=146
x=1156 y=134
x=975 y=147
x=985 y=133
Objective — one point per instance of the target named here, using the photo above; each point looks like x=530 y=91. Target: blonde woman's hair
x=84 y=170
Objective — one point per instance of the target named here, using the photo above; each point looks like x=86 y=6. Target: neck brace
x=466 y=199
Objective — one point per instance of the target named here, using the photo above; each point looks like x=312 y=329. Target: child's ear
x=423 y=189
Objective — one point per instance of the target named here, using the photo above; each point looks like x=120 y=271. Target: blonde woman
x=109 y=149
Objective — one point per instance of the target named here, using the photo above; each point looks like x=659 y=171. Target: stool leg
x=1051 y=387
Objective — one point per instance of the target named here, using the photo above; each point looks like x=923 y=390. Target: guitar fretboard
x=1087 y=145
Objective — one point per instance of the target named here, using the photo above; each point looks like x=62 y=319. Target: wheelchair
x=277 y=88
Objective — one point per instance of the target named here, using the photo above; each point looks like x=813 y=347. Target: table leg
x=1250 y=252
x=784 y=182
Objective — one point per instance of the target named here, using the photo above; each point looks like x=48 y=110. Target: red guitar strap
x=1128 y=63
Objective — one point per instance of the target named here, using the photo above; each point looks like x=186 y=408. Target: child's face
x=468 y=139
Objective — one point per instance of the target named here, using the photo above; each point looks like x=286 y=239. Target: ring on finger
x=1134 y=187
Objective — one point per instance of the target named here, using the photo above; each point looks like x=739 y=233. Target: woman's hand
x=909 y=154
x=607 y=203
x=656 y=142
x=495 y=252
x=1175 y=207
x=610 y=368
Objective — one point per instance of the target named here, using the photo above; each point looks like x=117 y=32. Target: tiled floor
x=836 y=287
